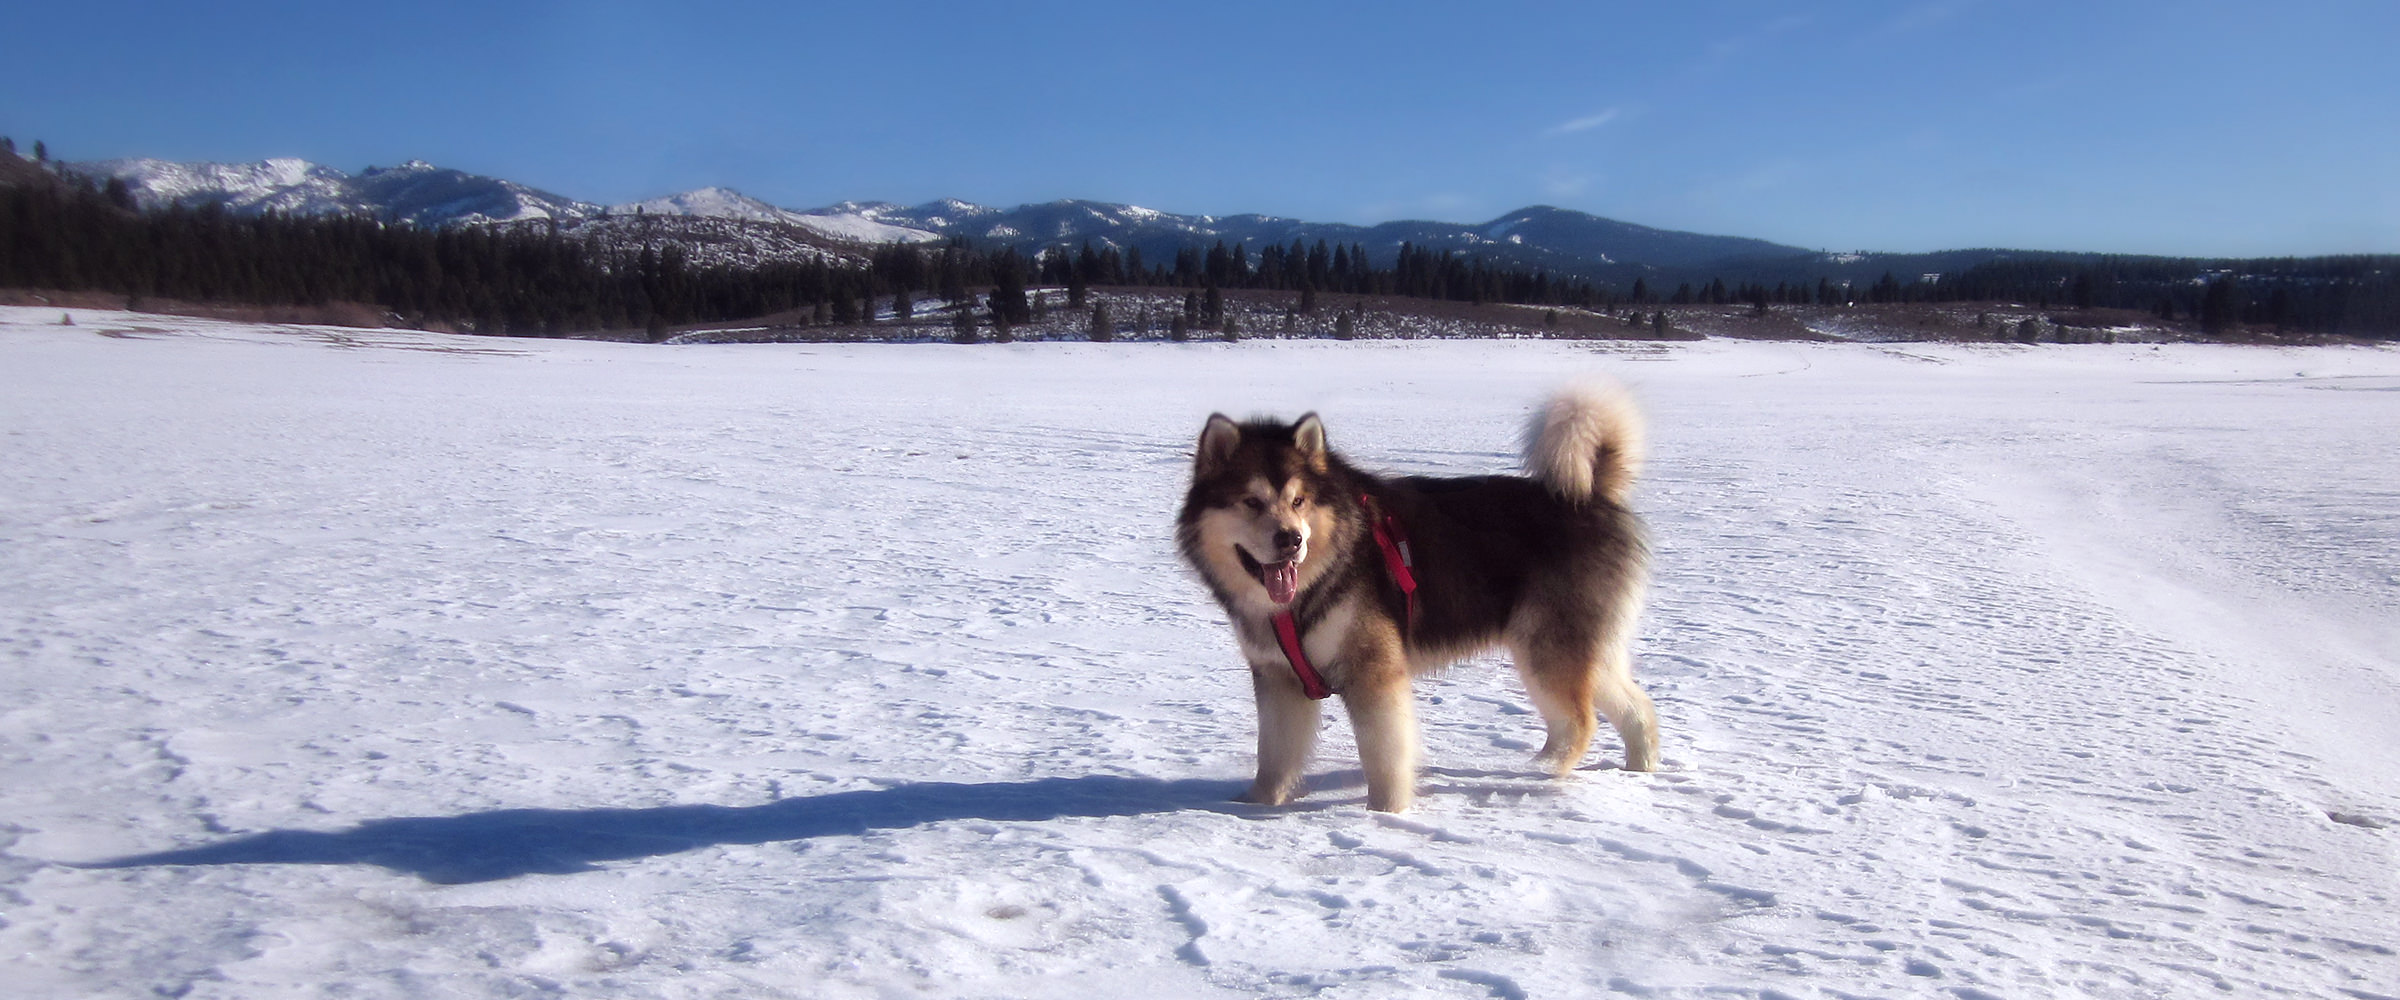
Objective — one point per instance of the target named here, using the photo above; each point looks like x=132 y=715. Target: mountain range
x=721 y=226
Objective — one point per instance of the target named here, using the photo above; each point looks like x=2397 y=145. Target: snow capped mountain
x=279 y=185
x=422 y=194
x=415 y=192
x=860 y=228
x=944 y=215
x=849 y=221
x=1537 y=237
x=713 y=202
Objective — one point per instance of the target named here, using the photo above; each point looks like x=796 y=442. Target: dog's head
x=1263 y=508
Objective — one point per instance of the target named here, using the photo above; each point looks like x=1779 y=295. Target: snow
x=848 y=221
x=416 y=191
x=388 y=664
x=282 y=184
x=714 y=202
x=860 y=229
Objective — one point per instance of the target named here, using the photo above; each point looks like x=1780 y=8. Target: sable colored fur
x=1551 y=566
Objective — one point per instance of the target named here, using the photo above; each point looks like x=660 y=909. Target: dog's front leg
x=1287 y=733
x=1383 y=712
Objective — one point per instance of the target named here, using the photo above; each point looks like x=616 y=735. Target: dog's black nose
x=1287 y=541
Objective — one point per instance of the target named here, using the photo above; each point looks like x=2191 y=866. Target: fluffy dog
x=1338 y=581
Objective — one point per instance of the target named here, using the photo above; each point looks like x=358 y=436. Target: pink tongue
x=1283 y=581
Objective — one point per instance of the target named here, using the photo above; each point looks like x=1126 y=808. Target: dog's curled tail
x=1586 y=442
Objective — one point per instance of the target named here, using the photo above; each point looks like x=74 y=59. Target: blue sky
x=2139 y=127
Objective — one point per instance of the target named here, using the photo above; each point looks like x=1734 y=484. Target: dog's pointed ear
x=1308 y=435
x=1217 y=441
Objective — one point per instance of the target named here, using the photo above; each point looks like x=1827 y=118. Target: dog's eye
x=1256 y=505
x=1299 y=502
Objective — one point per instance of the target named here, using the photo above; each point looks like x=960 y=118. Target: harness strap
x=1287 y=634
x=1398 y=560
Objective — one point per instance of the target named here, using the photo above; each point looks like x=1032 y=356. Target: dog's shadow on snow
x=486 y=846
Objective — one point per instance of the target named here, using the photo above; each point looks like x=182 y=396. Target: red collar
x=1398 y=560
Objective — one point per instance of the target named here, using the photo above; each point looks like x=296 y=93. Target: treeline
x=2347 y=295
x=69 y=234
x=2355 y=295
x=1416 y=272
x=64 y=232
x=74 y=236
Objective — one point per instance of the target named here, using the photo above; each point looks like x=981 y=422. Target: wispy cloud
x=1583 y=124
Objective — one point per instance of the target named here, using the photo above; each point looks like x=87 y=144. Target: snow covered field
x=379 y=664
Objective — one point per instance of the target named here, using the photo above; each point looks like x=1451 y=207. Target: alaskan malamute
x=1342 y=582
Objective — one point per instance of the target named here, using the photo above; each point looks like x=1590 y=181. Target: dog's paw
x=1264 y=796
x=1557 y=765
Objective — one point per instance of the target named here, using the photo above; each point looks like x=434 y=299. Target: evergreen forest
x=65 y=233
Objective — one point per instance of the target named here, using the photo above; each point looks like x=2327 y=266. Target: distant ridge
x=422 y=194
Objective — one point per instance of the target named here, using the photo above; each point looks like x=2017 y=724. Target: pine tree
x=1008 y=288
x=2220 y=306
x=962 y=325
x=1343 y=328
x=953 y=275
x=1104 y=327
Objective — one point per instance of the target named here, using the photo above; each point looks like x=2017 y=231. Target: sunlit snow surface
x=383 y=664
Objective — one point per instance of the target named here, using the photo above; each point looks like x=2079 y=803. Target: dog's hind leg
x=1625 y=706
x=1568 y=683
x=1287 y=734
x=1560 y=682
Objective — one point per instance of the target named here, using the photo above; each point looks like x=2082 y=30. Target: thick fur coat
x=1550 y=565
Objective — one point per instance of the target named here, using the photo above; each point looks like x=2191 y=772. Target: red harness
x=1398 y=560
